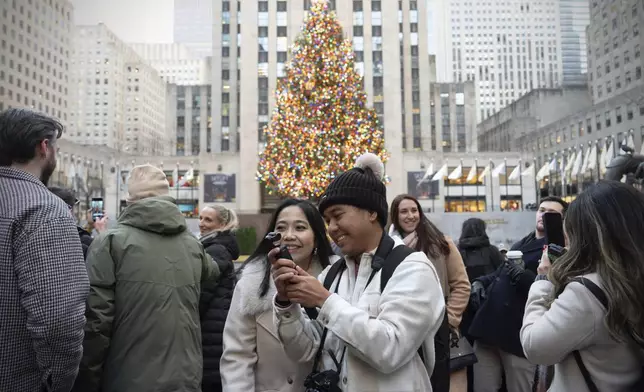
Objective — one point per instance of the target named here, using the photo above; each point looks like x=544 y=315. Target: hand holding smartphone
x=97 y=208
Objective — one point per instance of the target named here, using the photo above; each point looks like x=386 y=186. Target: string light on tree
x=321 y=123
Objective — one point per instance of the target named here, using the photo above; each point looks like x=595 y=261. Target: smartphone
x=553 y=223
x=273 y=239
x=97 y=208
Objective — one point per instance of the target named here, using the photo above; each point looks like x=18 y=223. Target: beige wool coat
x=253 y=359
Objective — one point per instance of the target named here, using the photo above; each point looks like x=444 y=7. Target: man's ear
x=373 y=216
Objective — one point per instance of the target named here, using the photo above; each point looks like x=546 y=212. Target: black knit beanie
x=360 y=187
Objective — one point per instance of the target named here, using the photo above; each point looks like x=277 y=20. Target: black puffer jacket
x=214 y=305
x=479 y=256
x=85 y=239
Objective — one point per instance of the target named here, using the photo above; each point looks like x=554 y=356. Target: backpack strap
x=393 y=260
x=601 y=297
x=335 y=269
x=593 y=288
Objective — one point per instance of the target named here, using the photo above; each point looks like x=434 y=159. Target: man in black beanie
x=377 y=335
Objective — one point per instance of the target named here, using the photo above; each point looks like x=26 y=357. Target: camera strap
x=318 y=355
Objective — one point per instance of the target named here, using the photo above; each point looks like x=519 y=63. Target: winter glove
x=477 y=295
x=514 y=271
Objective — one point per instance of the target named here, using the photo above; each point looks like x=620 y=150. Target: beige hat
x=146 y=181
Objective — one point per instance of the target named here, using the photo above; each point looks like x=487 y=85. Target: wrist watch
x=541 y=277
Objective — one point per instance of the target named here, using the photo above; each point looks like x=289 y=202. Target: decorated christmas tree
x=321 y=123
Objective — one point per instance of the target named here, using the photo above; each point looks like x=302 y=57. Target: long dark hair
x=604 y=225
x=315 y=220
x=473 y=228
x=431 y=240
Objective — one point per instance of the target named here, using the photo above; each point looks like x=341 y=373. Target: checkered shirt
x=43 y=288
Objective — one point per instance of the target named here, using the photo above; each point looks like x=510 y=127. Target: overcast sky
x=131 y=20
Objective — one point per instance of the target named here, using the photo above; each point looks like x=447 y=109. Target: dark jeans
x=441 y=374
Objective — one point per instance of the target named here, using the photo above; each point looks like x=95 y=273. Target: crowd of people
x=348 y=295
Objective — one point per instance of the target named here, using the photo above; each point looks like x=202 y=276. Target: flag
x=544 y=171
x=576 y=167
x=529 y=171
x=485 y=172
x=592 y=161
x=442 y=172
x=175 y=177
x=190 y=174
x=571 y=161
x=584 y=165
x=606 y=156
x=471 y=174
x=497 y=170
x=456 y=173
x=428 y=173
x=553 y=165
x=630 y=142
x=516 y=173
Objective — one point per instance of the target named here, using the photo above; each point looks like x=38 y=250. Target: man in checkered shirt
x=43 y=279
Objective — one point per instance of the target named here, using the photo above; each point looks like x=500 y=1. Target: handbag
x=461 y=352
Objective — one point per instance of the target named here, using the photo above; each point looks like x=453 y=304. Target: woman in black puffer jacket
x=216 y=225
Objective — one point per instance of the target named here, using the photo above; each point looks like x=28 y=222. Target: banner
x=421 y=189
x=219 y=188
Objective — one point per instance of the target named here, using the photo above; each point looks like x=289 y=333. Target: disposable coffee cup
x=516 y=257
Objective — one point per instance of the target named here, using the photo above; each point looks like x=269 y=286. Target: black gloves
x=514 y=271
x=477 y=295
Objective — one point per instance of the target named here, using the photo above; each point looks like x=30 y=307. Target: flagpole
x=118 y=189
x=507 y=180
x=521 y=182
x=447 y=187
x=536 y=183
x=492 y=183
x=192 y=187
x=177 y=183
x=462 y=188
x=476 y=182
x=597 y=161
x=431 y=188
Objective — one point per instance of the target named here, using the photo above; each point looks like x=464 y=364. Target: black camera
x=326 y=381
x=273 y=239
x=555 y=251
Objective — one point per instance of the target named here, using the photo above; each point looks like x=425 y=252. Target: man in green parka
x=143 y=332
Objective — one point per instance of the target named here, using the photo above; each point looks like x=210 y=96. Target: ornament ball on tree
x=321 y=123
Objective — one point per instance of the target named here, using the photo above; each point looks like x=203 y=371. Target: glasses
x=76 y=202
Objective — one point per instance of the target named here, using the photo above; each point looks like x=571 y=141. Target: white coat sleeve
x=549 y=335
x=411 y=305
x=237 y=364
x=300 y=336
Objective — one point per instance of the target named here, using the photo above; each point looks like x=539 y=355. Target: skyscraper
x=34 y=57
x=193 y=21
x=575 y=17
x=251 y=46
x=508 y=47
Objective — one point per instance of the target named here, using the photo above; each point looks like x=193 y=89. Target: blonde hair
x=226 y=217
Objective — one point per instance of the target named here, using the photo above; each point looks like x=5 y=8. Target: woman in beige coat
x=253 y=359
x=409 y=223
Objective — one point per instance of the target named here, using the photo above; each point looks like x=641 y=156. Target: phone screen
x=553 y=223
x=97 y=208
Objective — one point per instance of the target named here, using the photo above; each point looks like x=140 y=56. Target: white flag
x=456 y=173
x=190 y=174
x=553 y=165
x=497 y=170
x=516 y=173
x=603 y=157
x=576 y=167
x=584 y=165
x=175 y=176
x=544 y=171
x=442 y=172
x=641 y=149
x=630 y=142
x=428 y=173
x=529 y=171
x=471 y=174
x=592 y=161
x=571 y=161
x=485 y=172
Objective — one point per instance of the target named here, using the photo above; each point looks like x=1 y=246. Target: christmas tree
x=321 y=123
